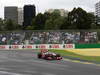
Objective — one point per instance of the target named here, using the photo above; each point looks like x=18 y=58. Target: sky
x=42 y=5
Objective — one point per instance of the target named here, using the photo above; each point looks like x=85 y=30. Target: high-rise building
x=11 y=12
x=97 y=9
x=29 y=14
x=20 y=16
x=62 y=11
x=97 y=12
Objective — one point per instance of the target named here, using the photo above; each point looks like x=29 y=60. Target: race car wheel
x=58 y=55
x=39 y=55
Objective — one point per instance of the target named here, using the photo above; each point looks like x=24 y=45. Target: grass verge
x=76 y=56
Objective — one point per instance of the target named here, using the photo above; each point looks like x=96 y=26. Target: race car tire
x=39 y=55
x=58 y=55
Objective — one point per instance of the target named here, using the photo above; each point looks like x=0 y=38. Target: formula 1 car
x=49 y=56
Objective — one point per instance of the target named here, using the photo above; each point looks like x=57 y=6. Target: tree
x=11 y=25
x=58 y=23
x=47 y=15
x=78 y=18
x=54 y=24
x=97 y=20
x=29 y=28
x=39 y=22
x=91 y=19
x=65 y=25
x=54 y=21
x=1 y=25
x=49 y=25
x=55 y=14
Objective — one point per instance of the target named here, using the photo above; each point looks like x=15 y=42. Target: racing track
x=25 y=62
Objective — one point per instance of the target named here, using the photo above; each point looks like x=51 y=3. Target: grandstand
x=47 y=37
x=11 y=38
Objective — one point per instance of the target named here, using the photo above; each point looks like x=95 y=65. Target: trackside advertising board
x=4 y=47
x=38 y=46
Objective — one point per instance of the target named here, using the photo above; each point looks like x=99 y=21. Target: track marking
x=48 y=74
x=9 y=73
x=77 y=61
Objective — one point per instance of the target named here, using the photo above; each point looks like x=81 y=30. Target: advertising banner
x=37 y=46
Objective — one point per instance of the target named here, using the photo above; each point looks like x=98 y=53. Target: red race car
x=49 y=56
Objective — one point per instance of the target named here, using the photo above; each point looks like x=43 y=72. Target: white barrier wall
x=38 y=46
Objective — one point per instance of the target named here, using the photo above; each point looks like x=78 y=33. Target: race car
x=49 y=56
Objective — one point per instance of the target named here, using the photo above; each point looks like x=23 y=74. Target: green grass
x=73 y=55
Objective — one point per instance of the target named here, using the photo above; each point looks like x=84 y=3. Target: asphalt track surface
x=25 y=62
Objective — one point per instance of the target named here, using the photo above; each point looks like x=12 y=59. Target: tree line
x=76 y=19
